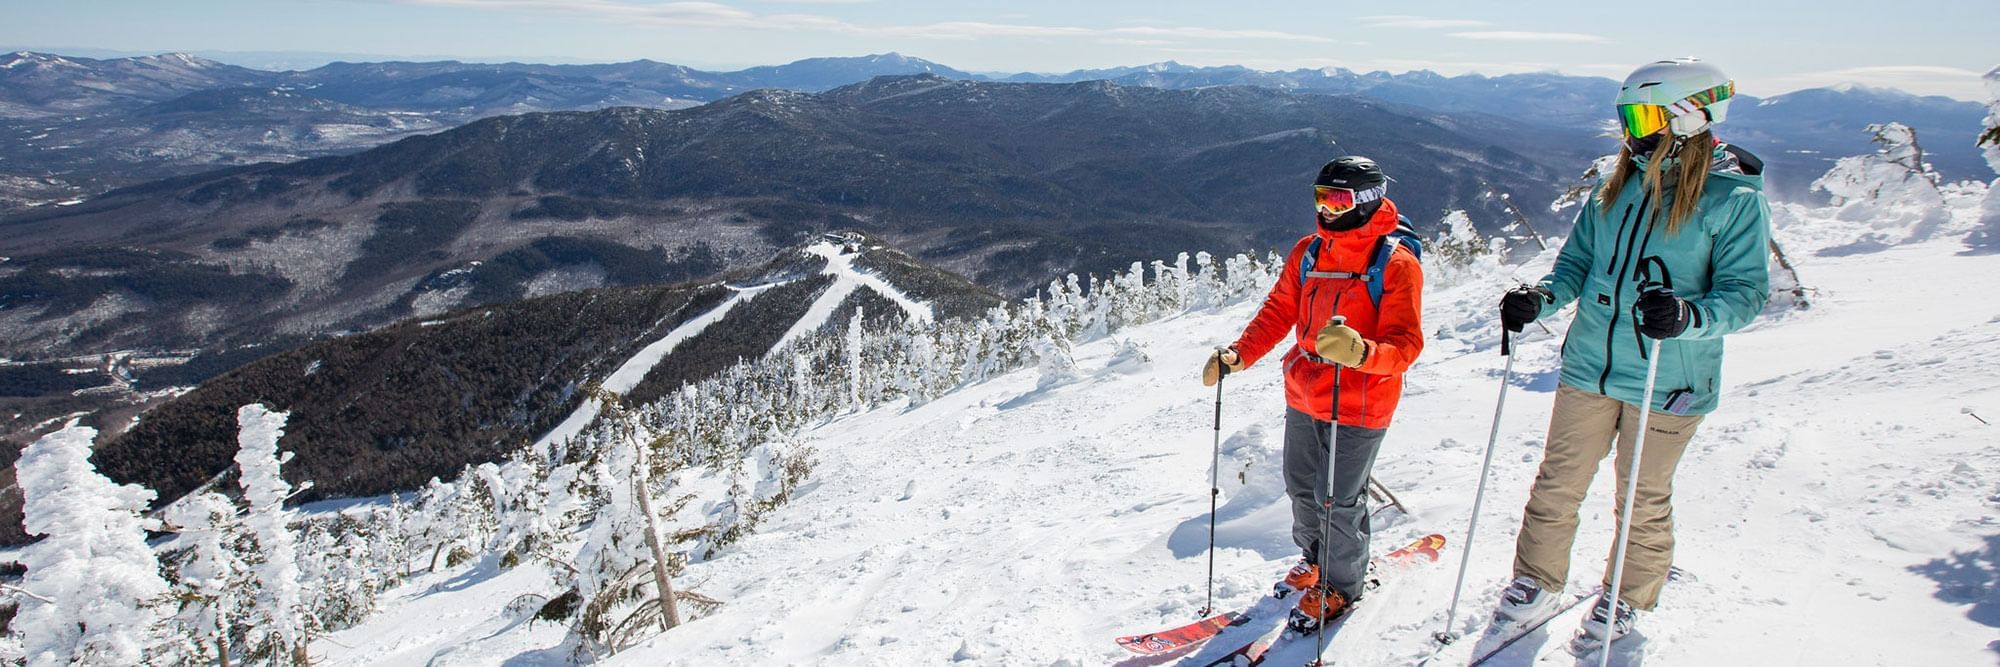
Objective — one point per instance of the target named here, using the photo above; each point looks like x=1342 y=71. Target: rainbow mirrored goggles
x=1335 y=201
x=1642 y=120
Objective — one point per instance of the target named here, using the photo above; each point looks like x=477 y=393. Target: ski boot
x=1612 y=629
x=1317 y=605
x=1525 y=601
x=1302 y=576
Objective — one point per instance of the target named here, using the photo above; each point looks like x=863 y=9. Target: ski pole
x=1326 y=512
x=1446 y=636
x=1631 y=495
x=1214 y=478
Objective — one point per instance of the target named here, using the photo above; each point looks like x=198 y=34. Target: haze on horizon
x=1938 y=48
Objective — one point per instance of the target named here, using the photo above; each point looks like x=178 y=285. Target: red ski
x=1168 y=641
x=1424 y=549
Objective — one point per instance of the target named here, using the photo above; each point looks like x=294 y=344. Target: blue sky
x=1930 y=47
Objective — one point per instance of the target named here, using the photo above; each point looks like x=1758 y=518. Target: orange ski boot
x=1302 y=576
x=1317 y=605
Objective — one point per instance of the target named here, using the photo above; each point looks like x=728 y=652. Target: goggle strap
x=1695 y=102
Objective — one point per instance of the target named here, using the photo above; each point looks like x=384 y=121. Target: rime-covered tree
x=92 y=593
x=1986 y=237
x=281 y=622
x=857 y=390
x=624 y=552
x=1895 y=174
x=211 y=577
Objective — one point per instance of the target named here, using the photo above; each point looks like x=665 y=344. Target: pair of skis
x=1257 y=629
x=1502 y=636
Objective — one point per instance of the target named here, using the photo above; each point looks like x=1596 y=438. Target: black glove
x=1661 y=314
x=1523 y=305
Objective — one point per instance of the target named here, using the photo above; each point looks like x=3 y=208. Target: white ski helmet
x=1684 y=94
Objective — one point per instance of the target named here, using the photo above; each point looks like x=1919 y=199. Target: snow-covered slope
x=1843 y=506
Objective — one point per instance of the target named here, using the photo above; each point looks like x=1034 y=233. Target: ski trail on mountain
x=846 y=279
x=634 y=369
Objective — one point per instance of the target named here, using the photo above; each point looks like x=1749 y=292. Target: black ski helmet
x=1352 y=172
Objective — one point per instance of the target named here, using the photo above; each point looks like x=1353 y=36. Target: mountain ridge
x=73 y=138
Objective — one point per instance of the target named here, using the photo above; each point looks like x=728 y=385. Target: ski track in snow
x=1840 y=507
x=846 y=279
x=630 y=373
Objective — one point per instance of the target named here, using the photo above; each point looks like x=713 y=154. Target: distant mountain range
x=1012 y=184
x=78 y=126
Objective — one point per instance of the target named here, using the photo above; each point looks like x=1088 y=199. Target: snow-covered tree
x=1207 y=284
x=437 y=528
x=1585 y=184
x=281 y=619
x=1460 y=253
x=1986 y=237
x=1895 y=174
x=1457 y=241
x=1893 y=190
x=211 y=577
x=93 y=592
x=857 y=388
x=1054 y=360
x=624 y=549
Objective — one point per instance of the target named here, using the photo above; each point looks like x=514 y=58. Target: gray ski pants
x=1305 y=481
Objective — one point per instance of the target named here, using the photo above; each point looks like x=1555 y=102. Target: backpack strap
x=1372 y=277
x=1306 y=263
x=1383 y=249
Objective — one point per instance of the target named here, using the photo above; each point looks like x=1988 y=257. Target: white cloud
x=1530 y=36
x=1421 y=22
x=714 y=15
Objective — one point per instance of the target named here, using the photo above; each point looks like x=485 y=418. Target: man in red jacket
x=1338 y=270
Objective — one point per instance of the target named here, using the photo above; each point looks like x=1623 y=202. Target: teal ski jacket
x=1717 y=262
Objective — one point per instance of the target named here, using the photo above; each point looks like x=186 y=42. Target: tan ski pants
x=1580 y=435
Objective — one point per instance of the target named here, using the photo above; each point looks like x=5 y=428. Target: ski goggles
x=1335 y=201
x=1641 y=120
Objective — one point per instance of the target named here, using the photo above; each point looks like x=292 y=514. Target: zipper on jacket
x=1612 y=268
x=1611 y=330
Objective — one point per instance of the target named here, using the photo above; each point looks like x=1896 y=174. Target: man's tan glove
x=1341 y=344
x=1223 y=362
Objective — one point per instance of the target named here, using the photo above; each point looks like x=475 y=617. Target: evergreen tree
x=92 y=593
x=1986 y=238
x=211 y=577
x=281 y=620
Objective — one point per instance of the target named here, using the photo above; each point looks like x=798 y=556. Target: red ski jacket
x=1394 y=329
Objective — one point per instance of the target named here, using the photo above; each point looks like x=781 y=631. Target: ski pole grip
x=1506 y=342
x=1665 y=278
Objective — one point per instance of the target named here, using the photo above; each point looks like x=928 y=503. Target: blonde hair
x=1690 y=174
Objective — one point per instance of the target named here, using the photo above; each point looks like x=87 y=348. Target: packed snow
x=1840 y=508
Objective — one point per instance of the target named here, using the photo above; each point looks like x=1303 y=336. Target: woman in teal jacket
x=1671 y=247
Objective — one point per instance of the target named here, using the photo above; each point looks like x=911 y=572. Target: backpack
x=1404 y=235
